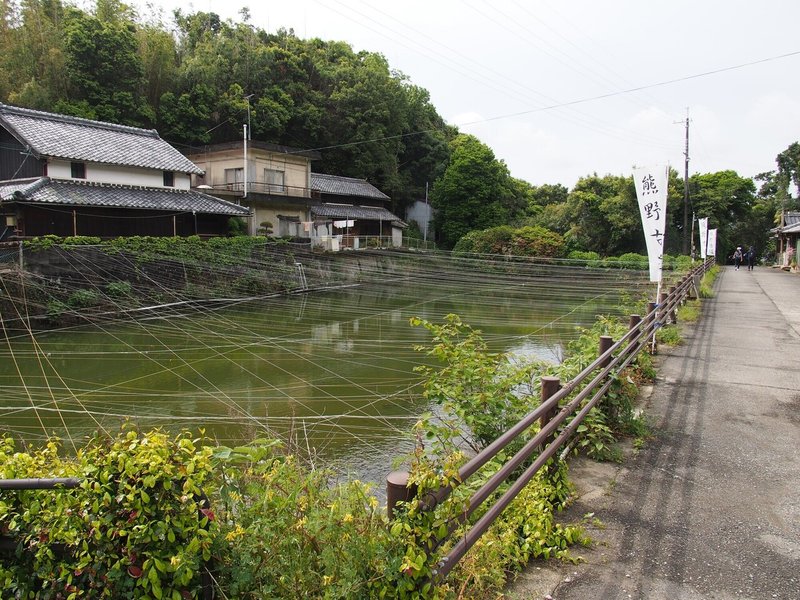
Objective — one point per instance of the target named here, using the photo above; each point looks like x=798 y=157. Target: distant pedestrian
x=750 y=257
x=737 y=257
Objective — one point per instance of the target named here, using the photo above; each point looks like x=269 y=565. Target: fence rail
x=591 y=385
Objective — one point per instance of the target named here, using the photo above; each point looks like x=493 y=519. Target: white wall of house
x=117 y=175
x=397 y=237
x=263 y=213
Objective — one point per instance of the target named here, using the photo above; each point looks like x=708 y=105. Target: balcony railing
x=260 y=187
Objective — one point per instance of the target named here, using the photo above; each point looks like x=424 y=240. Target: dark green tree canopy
x=475 y=191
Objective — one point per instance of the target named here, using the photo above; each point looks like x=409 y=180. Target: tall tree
x=475 y=192
x=104 y=70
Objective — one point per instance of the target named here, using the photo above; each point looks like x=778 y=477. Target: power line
x=568 y=103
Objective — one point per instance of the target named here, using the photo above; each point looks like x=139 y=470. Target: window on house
x=169 y=179
x=234 y=179
x=78 y=170
x=274 y=180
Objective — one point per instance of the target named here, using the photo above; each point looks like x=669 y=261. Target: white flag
x=651 y=191
x=703 y=226
x=712 y=242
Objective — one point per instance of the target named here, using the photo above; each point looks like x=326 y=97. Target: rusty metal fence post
x=398 y=490
x=605 y=343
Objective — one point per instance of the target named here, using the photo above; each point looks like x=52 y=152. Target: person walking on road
x=737 y=257
x=750 y=257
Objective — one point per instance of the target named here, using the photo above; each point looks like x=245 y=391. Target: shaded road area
x=710 y=507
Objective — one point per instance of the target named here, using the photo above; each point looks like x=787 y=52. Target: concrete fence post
x=673 y=315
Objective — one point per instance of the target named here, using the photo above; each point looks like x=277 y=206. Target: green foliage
x=689 y=312
x=50 y=241
x=587 y=257
x=285 y=532
x=669 y=335
x=526 y=241
x=136 y=527
x=83 y=298
x=478 y=386
x=118 y=289
x=236 y=226
x=707 y=282
x=474 y=192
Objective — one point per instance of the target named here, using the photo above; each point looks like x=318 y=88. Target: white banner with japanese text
x=712 y=242
x=703 y=227
x=651 y=191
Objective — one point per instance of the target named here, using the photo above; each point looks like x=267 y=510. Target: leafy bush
x=480 y=387
x=118 y=289
x=83 y=299
x=505 y=240
x=137 y=527
x=287 y=533
x=590 y=258
x=631 y=260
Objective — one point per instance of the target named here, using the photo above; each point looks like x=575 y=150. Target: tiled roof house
x=70 y=176
x=277 y=184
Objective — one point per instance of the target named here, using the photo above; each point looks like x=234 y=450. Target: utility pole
x=686 y=188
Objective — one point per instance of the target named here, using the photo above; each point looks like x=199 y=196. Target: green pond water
x=331 y=371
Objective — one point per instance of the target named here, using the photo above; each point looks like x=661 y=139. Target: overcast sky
x=496 y=68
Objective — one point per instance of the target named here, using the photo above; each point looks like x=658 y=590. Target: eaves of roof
x=75 y=139
x=346 y=211
x=345 y=186
x=71 y=193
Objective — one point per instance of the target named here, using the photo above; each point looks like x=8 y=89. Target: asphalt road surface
x=710 y=507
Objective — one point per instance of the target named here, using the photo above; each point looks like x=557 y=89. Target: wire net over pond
x=331 y=369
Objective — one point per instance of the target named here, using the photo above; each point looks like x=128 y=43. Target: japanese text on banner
x=651 y=192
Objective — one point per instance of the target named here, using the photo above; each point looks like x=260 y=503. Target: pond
x=330 y=371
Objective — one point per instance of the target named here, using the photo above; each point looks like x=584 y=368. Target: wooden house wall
x=112 y=223
x=14 y=162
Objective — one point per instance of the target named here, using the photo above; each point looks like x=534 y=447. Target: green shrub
x=507 y=241
x=82 y=299
x=590 y=258
x=631 y=260
x=137 y=526
x=287 y=533
x=118 y=289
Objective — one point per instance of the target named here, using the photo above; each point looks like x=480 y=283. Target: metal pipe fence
x=591 y=385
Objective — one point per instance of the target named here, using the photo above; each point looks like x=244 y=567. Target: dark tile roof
x=345 y=186
x=791 y=217
x=72 y=193
x=75 y=139
x=346 y=211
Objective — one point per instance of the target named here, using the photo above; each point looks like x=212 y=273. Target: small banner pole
x=651 y=193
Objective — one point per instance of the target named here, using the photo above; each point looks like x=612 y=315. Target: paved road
x=710 y=508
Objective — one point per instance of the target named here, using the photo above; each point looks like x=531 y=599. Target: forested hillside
x=195 y=77
x=189 y=77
